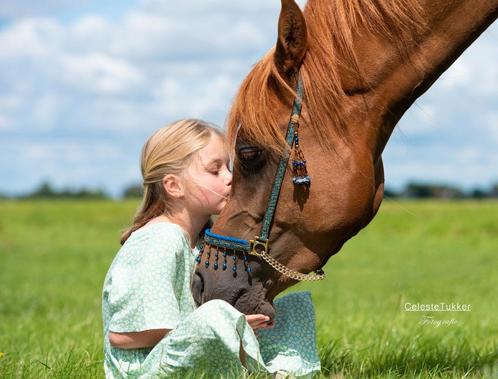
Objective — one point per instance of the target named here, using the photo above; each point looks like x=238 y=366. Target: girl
x=151 y=325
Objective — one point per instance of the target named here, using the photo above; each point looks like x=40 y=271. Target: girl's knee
x=216 y=309
x=212 y=305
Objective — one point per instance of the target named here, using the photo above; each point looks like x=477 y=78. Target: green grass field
x=54 y=255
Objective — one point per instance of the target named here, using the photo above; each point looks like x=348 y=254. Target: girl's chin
x=221 y=206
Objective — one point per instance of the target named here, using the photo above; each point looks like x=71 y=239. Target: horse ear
x=292 y=38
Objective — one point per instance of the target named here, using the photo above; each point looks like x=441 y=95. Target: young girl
x=151 y=325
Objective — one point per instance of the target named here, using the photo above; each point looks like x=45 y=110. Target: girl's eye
x=214 y=172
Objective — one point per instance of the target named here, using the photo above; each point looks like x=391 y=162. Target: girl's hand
x=258 y=321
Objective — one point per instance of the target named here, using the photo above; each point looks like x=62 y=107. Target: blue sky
x=83 y=83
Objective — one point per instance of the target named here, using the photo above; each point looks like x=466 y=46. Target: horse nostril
x=197 y=288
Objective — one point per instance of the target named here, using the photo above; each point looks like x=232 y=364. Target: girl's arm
x=150 y=338
x=137 y=340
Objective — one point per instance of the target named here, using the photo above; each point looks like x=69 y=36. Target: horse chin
x=250 y=303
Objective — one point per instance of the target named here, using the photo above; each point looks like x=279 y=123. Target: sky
x=84 y=83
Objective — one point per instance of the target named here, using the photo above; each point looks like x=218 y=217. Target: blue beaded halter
x=259 y=246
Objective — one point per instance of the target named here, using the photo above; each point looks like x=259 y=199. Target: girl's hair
x=168 y=151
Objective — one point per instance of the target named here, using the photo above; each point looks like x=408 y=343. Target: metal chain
x=311 y=277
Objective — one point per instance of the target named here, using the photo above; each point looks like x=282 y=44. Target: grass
x=54 y=256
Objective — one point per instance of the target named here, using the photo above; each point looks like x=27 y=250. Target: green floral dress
x=148 y=287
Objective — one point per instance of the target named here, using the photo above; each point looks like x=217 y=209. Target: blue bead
x=224 y=266
x=207 y=264
x=234 y=268
x=198 y=259
x=249 y=270
x=215 y=266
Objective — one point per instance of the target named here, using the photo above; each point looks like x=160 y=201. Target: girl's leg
x=215 y=338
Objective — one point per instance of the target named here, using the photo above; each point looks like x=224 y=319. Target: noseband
x=259 y=246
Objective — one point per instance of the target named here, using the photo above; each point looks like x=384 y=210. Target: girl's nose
x=228 y=180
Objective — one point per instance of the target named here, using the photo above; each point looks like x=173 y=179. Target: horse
x=344 y=72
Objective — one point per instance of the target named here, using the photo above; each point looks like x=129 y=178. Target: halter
x=259 y=246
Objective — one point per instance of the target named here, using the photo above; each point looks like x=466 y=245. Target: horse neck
x=396 y=80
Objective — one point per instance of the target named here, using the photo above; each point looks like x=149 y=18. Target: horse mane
x=331 y=25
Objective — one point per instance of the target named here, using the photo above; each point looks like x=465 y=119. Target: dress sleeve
x=144 y=288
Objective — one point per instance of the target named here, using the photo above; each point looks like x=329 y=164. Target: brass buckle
x=256 y=244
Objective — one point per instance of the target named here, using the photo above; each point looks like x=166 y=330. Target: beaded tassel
x=199 y=257
x=224 y=259
x=234 y=268
x=215 y=265
x=248 y=269
x=224 y=264
x=208 y=256
x=299 y=163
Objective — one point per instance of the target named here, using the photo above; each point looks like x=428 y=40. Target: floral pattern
x=148 y=287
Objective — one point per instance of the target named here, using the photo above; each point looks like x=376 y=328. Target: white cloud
x=20 y=8
x=459 y=75
x=491 y=124
x=68 y=86
x=100 y=73
x=473 y=72
x=89 y=33
x=4 y=122
x=30 y=37
x=46 y=110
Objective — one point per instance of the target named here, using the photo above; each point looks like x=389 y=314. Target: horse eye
x=251 y=158
x=248 y=154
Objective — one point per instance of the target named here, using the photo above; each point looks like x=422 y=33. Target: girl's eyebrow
x=217 y=161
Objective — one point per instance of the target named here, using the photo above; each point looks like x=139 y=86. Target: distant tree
x=390 y=193
x=447 y=192
x=46 y=191
x=478 y=193
x=416 y=190
x=424 y=191
x=494 y=191
x=84 y=193
x=133 y=191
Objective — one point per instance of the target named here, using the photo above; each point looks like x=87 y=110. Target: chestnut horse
x=362 y=64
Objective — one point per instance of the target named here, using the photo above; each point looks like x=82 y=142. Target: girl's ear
x=172 y=186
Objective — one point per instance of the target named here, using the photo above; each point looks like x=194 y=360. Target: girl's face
x=208 y=179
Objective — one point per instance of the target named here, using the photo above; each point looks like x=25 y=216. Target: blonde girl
x=151 y=324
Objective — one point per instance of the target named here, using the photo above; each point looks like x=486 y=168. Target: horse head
x=349 y=59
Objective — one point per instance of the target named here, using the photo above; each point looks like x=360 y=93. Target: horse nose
x=198 y=288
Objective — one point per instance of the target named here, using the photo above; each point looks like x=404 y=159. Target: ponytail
x=153 y=205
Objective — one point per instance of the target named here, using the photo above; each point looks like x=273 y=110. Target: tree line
x=412 y=190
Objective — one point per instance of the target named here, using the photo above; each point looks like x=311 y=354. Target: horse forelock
x=331 y=25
